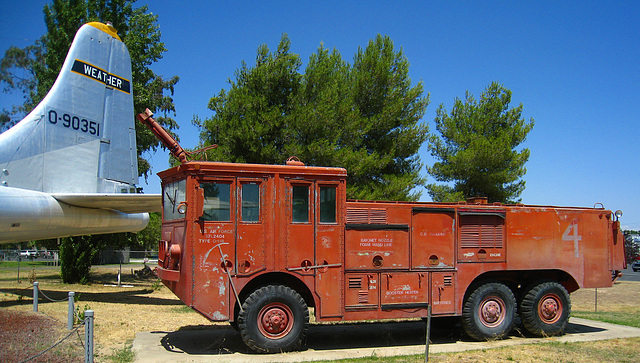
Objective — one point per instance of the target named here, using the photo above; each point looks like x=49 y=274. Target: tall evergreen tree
x=390 y=112
x=364 y=117
x=323 y=117
x=476 y=148
x=252 y=117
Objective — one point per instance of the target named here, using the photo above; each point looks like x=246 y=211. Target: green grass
x=184 y=309
x=631 y=318
x=617 y=350
x=25 y=264
x=123 y=355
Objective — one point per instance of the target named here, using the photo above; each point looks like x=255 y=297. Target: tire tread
x=528 y=310
x=260 y=296
x=469 y=319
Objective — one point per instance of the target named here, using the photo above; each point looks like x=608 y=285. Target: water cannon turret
x=174 y=147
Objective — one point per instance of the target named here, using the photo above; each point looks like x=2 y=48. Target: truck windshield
x=172 y=195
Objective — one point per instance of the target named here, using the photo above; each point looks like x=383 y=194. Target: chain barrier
x=76 y=315
x=55 y=345
x=50 y=299
x=80 y=339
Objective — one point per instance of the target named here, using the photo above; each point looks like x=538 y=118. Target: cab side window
x=251 y=202
x=300 y=204
x=327 y=204
x=217 y=202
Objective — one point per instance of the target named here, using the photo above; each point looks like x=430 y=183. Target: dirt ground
x=145 y=305
x=25 y=334
x=120 y=312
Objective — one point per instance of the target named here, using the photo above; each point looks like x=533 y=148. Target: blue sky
x=573 y=65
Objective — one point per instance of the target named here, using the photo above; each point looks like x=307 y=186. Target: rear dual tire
x=545 y=309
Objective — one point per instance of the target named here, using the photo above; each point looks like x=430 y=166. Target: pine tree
x=477 y=148
x=364 y=117
x=252 y=117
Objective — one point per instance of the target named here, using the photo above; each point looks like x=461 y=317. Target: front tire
x=489 y=312
x=273 y=319
x=545 y=309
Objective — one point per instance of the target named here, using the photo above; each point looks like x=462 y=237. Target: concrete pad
x=221 y=343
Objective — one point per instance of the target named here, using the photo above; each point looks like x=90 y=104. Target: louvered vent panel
x=448 y=279
x=378 y=216
x=355 y=282
x=477 y=231
x=470 y=236
x=491 y=236
x=366 y=216
x=357 y=215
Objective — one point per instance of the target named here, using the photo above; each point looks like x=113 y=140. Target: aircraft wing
x=126 y=203
x=28 y=215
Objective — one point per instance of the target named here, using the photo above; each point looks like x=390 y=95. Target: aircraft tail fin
x=81 y=137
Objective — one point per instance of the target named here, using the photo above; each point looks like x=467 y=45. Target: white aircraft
x=70 y=167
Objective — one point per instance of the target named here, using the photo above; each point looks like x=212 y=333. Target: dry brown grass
x=624 y=296
x=617 y=350
x=121 y=312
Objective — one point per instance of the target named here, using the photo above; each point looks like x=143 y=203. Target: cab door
x=214 y=235
x=251 y=225
x=300 y=221
x=328 y=247
x=314 y=236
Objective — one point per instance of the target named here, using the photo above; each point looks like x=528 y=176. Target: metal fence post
x=35 y=296
x=71 y=311
x=426 y=348
x=88 y=336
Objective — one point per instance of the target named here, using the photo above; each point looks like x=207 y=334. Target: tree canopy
x=476 y=148
x=33 y=69
x=365 y=117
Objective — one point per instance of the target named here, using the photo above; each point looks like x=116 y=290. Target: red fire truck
x=258 y=245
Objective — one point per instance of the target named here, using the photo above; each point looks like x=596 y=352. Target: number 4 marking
x=571 y=234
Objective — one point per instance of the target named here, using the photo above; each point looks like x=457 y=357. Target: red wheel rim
x=275 y=320
x=492 y=312
x=550 y=308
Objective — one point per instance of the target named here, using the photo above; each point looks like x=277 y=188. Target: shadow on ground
x=223 y=339
x=124 y=296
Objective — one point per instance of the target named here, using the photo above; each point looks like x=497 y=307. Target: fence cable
x=55 y=345
x=50 y=299
x=80 y=339
x=76 y=315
